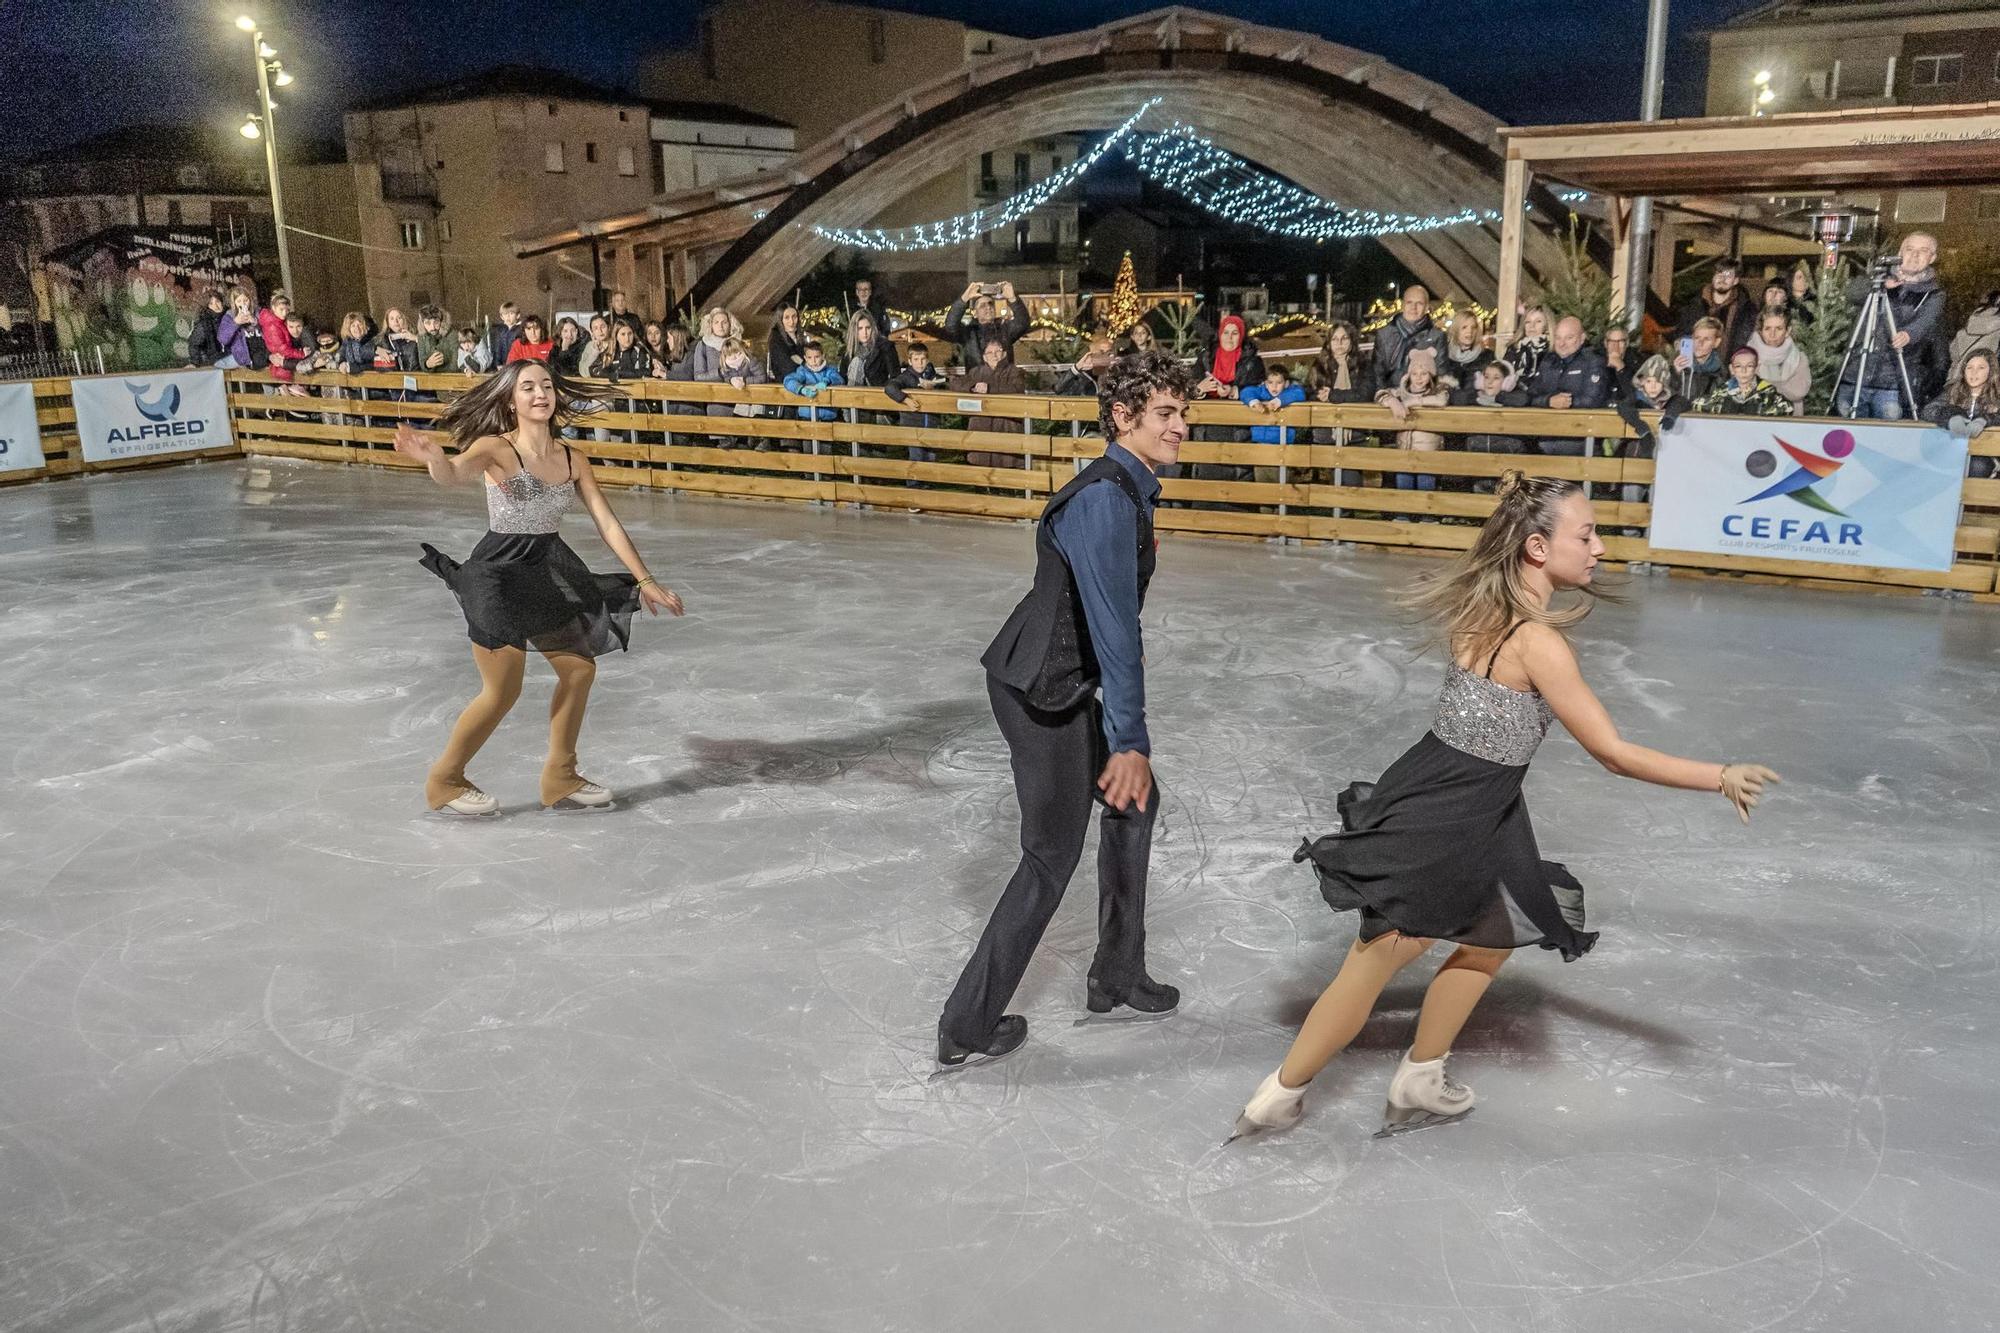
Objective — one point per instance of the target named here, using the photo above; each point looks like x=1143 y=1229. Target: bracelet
x=643 y=582
x=1722 y=778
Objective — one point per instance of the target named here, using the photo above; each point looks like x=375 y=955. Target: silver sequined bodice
x=1486 y=719
x=526 y=503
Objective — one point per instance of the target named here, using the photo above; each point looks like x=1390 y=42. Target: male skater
x=1077 y=629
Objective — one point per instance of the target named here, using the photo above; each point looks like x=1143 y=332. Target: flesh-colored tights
x=500 y=673
x=1338 y=1014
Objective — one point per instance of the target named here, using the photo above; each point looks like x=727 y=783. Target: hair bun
x=1511 y=482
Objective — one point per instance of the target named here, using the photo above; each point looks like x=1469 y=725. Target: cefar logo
x=1835 y=448
x=163 y=405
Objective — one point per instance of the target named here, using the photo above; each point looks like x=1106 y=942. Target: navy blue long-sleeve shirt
x=1098 y=534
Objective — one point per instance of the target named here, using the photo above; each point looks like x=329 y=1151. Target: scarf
x=1224 y=369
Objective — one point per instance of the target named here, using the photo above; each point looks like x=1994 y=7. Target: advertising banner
x=135 y=416
x=20 y=436
x=1784 y=488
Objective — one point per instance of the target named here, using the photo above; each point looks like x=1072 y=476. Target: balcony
x=409 y=187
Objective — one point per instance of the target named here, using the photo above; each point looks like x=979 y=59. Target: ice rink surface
x=283 y=1052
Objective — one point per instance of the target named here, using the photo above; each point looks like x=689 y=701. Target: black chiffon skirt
x=529 y=590
x=1442 y=848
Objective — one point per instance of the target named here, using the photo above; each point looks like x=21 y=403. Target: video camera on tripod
x=1867 y=341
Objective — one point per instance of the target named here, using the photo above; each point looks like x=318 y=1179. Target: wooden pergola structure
x=1796 y=154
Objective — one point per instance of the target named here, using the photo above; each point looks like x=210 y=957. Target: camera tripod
x=1863 y=341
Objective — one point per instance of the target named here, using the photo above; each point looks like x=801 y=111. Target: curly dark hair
x=1133 y=379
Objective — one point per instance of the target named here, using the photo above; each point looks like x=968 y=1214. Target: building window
x=1021 y=234
x=628 y=164
x=1920 y=206
x=189 y=176
x=412 y=233
x=1020 y=171
x=1817 y=85
x=444 y=230
x=878 y=40
x=658 y=159
x=551 y=107
x=1988 y=207
x=622 y=116
x=1937 y=71
x=590 y=152
x=173 y=212
x=709 y=63
x=552 y=158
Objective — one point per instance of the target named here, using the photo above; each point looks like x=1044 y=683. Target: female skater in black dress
x=522 y=587
x=1441 y=848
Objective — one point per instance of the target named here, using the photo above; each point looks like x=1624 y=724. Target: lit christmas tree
x=1123 y=311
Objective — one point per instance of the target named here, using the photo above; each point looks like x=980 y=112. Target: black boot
x=1008 y=1034
x=1146 y=995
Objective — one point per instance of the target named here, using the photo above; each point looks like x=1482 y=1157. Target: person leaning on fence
x=807 y=380
x=917 y=373
x=739 y=371
x=1492 y=386
x=1701 y=366
x=567 y=356
x=1652 y=391
x=988 y=322
x=1915 y=301
x=532 y=343
x=994 y=373
x=1526 y=353
x=1571 y=377
x=280 y=351
x=785 y=346
x=1970 y=404
x=1465 y=349
x=434 y=340
x=1227 y=367
x=1419 y=387
x=204 y=339
x=500 y=337
x=1781 y=360
x=472 y=357
x=1338 y=375
x=1410 y=330
x=593 y=361
x=1274 y=395
x=1746 y=394
x=1615 y=347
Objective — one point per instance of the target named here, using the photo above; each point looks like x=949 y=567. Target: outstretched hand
x=1127 y=779
x=1743 y=784
x=656 y=599
x=418 y=445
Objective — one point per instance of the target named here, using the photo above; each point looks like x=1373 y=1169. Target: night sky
x=78 y=67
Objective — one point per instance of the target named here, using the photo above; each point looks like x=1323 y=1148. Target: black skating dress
x=1441 y=847
x=523 y=587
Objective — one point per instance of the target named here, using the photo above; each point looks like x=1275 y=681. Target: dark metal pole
x=598 y=299
x=1638 y=272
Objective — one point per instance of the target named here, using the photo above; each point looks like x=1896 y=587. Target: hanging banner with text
x=1783 y=488
x=136 y=416
x=20 y=436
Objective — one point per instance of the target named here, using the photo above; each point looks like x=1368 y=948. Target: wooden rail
x=1001 y=456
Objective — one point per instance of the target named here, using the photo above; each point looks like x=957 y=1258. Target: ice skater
x=523 y=587
x=1077 y=629
x=1441 y=848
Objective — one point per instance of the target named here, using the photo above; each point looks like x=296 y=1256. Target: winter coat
x=500 y=340
x=593 y=359
x=1644 y=442
x=1730 y=400
x=244 y=341
x=1738 y=315
x=1257 y=393
x=634 y=363
x=569 y=360
x=427 y=343
x=972 y=337
x=1394 y=343
x=522 y=350
x=1249 y=364
x=1526 y=357
x=278 y=343
x=1582 y=375
x=357 y=354
x=403 y=347
x=807 y=382
x=1003 y=378
x=1786 y=367
x=1981 y=331
x=751 y=372
x=1453 y=364
x=205 y=339
x=474 y=358
x=1438 y=395
x=877 y=367
x=1702 y=375
x=1917 y=306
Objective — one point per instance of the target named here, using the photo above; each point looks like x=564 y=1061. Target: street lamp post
x=265 y=67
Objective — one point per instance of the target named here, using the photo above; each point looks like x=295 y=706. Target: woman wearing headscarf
x=1229 y=365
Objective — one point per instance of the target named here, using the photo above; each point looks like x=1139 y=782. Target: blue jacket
x=1257 y=393
x=807 y=382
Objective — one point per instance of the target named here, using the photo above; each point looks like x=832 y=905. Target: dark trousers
x=1056 y=758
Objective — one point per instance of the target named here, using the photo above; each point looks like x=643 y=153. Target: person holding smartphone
x=988 y=323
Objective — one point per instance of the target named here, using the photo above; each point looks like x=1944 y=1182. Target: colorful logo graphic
x=1837 y=445
x=165 y=403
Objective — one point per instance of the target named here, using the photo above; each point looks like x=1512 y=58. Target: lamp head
x=246 y=23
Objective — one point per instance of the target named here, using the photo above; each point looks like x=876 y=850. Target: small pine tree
x=1122 y=312
x=1824 y=341
x=1580 y=287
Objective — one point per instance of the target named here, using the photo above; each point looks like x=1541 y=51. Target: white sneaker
x=589 y=796
x=472 y=801
x=1272 y=1106
x=1421 y=1094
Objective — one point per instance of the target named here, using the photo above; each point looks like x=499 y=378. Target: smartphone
x=1687 y=349
x=989 y=289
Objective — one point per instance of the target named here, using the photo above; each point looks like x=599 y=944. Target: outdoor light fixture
x=280 y=77
x=245 y=22
x=249 y=128
x=1761 y=95
x=264 y=49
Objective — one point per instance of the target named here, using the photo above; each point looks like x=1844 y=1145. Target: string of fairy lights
x=1184 y=161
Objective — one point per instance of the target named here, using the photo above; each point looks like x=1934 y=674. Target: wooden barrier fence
x=62 y=454
x=1001 y=456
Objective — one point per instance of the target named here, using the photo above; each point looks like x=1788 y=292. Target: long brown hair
x=1484 y=593
x=488 y=407
x=1987 y=401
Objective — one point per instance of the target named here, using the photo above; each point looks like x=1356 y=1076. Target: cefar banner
x=136 y=416
x=1787 y=488
x=20 y=436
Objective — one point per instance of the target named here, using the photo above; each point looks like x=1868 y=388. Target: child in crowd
x=1419 y=387
x=1276 y=393
x=473 y=357
x=807 y=380
x=1491 y=386
x=739 y=370
x=917 y=373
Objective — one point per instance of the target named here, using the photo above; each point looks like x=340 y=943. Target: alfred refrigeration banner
x=136 y=416
x=1842 y=493
x=20 y=437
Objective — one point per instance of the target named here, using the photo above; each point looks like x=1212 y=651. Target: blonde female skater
x=522 y=587
x=1441 y=848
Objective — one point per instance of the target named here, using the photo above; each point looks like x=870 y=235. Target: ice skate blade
x=1409 y=1119
x=566 y=806
x=969 y=1062
x=461 y=816
x=1115 y=1018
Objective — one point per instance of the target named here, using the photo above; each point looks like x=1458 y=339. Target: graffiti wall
x=134 y=291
